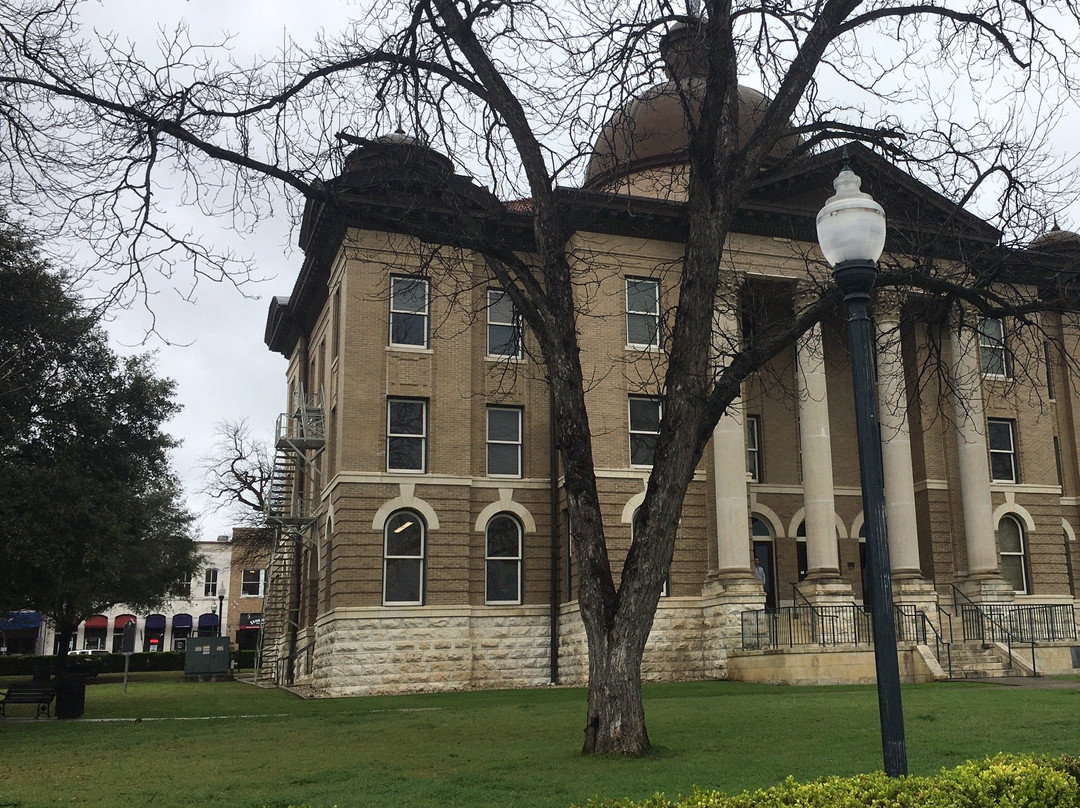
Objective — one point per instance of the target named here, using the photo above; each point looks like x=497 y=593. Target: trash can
x=70 y=695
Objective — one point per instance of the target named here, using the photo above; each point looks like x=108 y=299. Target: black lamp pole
x=851 y=231
x=856 y=279
x=221 y=615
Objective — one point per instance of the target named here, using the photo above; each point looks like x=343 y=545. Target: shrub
x=1009 y=781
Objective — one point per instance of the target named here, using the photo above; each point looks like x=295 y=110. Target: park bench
x=41 y=695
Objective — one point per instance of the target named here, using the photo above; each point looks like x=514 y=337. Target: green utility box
x=207 y=656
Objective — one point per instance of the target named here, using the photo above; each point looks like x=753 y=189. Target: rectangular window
x=1049 y=371
x=210 y=583
x=409 y=312
x=994 y=356
x=252 y=583
x=503 y=326
x=642 y=312
x=336 y=344
x=406 y=435
x=503 y=442
x=185 y=587
x=753 y=447
x=1001 y=435
x=646 y=412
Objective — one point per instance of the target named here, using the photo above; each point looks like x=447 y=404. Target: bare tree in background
x=236 y=476
x=516 y=92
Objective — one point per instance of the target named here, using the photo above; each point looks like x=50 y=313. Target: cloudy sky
x=211 y=343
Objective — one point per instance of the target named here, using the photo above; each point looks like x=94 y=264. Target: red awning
x=123 y=620
x=97 y=621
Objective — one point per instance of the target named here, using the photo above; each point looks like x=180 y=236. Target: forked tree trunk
x=616 y=716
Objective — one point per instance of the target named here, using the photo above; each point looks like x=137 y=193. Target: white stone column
x=731 y=589
x=896 y=449
x=823 y=559
x=729 y=474
x=982 y=561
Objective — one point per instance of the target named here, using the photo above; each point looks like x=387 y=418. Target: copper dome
x=651 y=131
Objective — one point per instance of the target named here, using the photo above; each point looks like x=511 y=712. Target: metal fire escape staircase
x=295 y=489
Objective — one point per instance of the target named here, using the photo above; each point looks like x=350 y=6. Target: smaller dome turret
x=1056 y=240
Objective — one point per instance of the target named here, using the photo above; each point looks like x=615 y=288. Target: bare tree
x=516 y=91
x=236 y=475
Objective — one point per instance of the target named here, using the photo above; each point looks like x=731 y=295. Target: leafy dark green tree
x=91 y=513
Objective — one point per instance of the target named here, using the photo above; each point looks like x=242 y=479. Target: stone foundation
x=833 y=666
x=405 y=650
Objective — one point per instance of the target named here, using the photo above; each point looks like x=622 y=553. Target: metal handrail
x=924 y=623
x=986 y=617
x=287 y=659
x=815 y=615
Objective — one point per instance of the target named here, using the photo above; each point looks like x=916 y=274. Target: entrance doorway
x=763 y=552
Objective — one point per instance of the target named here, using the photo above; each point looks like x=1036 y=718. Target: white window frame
x=514 y=561
x=421 y=436
x=185 y=587
x=652 y=315
x=753 y=447
x=259 y=582
x=397 y=310
x=993 y=350
x=494 y=297
x=210 y=582
x=1009 y=451
x=642 y=433
x=491 y=442
x=420 y=559
x=1021 y=554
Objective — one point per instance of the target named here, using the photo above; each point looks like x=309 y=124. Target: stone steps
x=973 y=661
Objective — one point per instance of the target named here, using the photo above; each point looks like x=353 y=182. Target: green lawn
x=253 y=747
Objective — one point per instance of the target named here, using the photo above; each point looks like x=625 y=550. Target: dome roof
x=651 y=131
x=1057 y=240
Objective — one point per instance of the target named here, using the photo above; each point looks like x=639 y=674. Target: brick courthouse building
x=423 y=539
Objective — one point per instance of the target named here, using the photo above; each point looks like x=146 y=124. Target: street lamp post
x=221 y=615
x=851 y=232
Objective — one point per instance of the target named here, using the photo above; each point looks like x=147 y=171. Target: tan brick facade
x=452 y=638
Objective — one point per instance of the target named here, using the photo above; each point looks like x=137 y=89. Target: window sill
x=643 y=348
x=412 y=472
x=511 y=360
x=413 y=349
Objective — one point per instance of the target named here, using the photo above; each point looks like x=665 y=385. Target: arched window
x=800 y=550
x=503 y=560
x=1013 y=552
x=403 y=559
x=635 y=526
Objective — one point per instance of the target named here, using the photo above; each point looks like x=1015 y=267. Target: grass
x=256 y=747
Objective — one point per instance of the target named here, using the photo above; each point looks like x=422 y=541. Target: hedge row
x=108 y=663
x=1009 y=781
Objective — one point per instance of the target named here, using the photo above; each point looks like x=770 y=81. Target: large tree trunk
x=616 y=716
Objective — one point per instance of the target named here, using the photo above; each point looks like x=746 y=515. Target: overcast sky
x=214 y=347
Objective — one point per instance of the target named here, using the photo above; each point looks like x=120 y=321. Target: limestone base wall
x=361 y=651
x=821 y=667
x=1050 y=660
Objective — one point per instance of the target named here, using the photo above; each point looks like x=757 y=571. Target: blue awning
x=20 y=621
x=207 y=620
x=181 y=621
x=155 y=622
